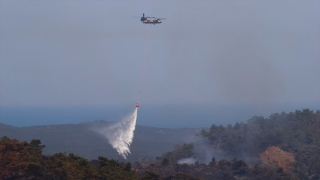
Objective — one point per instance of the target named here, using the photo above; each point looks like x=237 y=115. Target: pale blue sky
x=90 y=53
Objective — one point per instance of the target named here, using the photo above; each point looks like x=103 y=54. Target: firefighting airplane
x=154 y=20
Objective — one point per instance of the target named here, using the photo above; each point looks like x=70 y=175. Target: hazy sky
x=91 y=53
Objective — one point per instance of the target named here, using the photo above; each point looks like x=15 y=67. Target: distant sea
x=162 y=116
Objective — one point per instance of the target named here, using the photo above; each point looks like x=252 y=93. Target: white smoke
x=203 y=152
x=190 y=160
x=120 y=134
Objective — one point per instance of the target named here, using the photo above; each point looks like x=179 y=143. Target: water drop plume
x=120 y=135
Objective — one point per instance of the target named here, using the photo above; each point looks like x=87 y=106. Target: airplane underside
x=152 y=23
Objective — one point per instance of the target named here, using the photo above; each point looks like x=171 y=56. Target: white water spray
x=120 y=134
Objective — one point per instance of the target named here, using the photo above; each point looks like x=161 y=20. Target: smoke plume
x=203 y=152
x=120 y=134
x=190 y=160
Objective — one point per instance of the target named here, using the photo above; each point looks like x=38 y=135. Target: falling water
x=120 y=134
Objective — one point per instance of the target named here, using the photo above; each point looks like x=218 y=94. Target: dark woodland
x=282 y=146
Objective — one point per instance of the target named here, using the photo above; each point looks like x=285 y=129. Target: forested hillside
x=23 y=160
x=295 y=134
x=283 y=146
x=81 y=139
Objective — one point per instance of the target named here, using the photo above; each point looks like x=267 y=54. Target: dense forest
x=295 y=134
x=22 y=160
x=282 y=146
x=81 y=139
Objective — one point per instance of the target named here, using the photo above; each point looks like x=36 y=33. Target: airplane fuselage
x=151 y=21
